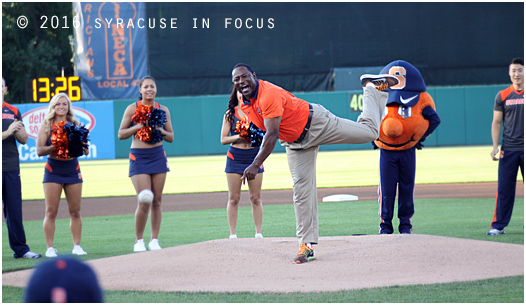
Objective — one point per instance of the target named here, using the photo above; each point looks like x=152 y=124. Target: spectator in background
x=239 y=156
x=13 y=130
x=508 y=111
x=63 y=280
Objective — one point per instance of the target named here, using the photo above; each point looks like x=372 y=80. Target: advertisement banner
x=110 y=48
x=96 y=116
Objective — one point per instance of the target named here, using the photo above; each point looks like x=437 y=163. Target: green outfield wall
x=466 y=113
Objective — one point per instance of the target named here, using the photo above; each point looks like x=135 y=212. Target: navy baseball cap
x=407 y=92
x=63 y=280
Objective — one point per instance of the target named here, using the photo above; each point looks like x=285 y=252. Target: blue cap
x=412 y=83
x=63 y=280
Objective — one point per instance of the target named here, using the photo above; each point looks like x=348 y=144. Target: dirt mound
x=342 y=263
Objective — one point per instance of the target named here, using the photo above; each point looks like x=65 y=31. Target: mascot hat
x=64 y=280
x=406 y=93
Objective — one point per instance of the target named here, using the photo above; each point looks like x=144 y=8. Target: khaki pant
x=326 y=128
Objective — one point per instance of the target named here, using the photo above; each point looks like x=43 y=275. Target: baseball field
x=447 y=259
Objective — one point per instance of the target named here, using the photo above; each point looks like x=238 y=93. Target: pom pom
x=142 y=114
x=156 y=136
x=77 y=135
x=242 y=128
x=150 y=117
x=256 y=135
x=59 y=139
x=250 y=132
x=157 y=117
x=144 y=134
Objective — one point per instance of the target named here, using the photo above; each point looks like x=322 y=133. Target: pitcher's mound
x=342 y=263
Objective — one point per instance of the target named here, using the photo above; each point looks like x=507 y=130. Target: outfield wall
x=466 y=113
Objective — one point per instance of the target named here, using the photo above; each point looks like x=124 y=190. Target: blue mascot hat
x=406 y=93
x=64 y=280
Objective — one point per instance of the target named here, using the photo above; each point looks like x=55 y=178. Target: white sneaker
x=495 y=232
x=139 y=246
x=258 y=235
x=30 y=254
x=232 y=236
x=154 y=244
x=78 y=250
x=51 y=252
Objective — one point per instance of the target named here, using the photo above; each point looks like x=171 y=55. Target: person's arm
x=125 y=131
x=226 y=138
x=496 y=128
x=17 y=130
x=42 y=149
x=434 y=120
x=21 y=134
x=267 y=146
x=167 y=130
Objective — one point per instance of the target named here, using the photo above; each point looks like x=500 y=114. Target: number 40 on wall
x=356 y=102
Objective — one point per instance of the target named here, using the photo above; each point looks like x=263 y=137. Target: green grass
x=108 y=178
x=460 y=218
x=503 y=290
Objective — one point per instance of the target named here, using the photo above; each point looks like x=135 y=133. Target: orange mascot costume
x=410 y=118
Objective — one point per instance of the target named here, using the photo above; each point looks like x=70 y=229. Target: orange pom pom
x=144 y=134
x=59 y=139
x=242 y=128
x=142 y=114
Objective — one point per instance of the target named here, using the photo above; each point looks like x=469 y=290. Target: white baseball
x=145 y=196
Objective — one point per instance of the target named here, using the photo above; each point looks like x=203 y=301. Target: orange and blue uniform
x=61 y=171
x=239 y=159
x=511 y=103
x=147 y=160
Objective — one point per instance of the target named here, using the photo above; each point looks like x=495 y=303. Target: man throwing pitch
x=302 y=127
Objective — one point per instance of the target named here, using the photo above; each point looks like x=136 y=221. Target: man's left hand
x=250 y=173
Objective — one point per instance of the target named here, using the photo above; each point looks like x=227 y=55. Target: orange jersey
x=272 y=101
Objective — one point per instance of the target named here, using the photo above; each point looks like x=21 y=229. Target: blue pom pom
x=157 y=118
x=77 y=136
x=256 y=135
x=156 y=136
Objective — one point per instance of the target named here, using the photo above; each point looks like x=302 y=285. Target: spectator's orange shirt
x=272 y=101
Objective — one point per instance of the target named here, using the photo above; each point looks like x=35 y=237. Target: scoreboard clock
x=42 y=89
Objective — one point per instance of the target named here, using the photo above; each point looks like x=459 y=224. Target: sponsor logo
x=8 y=116
x=34 y=118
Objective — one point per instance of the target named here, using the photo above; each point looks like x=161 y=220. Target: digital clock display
x=42 y=89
